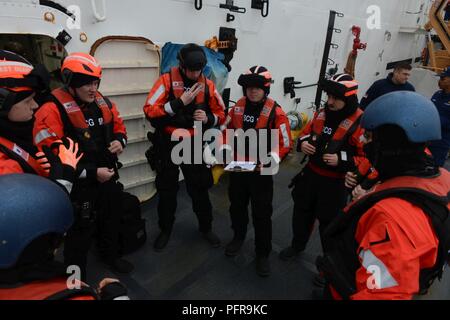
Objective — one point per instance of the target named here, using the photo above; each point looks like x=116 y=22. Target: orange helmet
x=13 y=71
x=258 y=77
x=341 y=86
x=18 y=79
x=81 y=64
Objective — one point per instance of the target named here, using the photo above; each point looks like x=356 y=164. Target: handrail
x=97 y=16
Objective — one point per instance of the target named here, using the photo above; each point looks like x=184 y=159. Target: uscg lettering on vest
x=248 y=118
x=327 y=130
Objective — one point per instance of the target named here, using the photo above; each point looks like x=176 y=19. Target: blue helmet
x=412 y=112
x=30 y=206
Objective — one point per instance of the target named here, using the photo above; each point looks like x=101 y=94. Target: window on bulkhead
x=38 y=49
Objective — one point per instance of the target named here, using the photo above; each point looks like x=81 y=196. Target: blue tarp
x=214 y=70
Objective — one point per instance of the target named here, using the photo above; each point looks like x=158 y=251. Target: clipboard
x=240 y=166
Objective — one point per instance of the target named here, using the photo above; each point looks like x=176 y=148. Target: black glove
x=113 y=290
x=58 y=170
x=184 y=118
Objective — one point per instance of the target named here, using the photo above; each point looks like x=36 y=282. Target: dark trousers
x=109 y=208
x=246 y=187
x=198 y=179
x=77 y=243
x=103 y=216
x=315 y=197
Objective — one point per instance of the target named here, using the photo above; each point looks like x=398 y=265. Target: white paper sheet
x=241 y=166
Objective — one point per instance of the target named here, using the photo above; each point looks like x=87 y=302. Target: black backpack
x=132 y=231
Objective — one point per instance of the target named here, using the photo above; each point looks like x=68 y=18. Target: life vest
x=340 y=263
x=177 y=86
x=345 y=129
x=265 y=117
x=365 y=170
x=265 y=121
x=25 y=160
x=75 y=121
x=48 y=290
x=177 y=89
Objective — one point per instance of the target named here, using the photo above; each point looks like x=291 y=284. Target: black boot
x=161 y=241
x=212 y=238
x=121 y=265
x=262 y=266
x=289 y=253
x=232 y=248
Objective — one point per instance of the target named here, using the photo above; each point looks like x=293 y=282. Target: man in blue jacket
x=395 y=81
x=441 y=99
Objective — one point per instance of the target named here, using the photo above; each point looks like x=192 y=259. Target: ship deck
x=189 y=269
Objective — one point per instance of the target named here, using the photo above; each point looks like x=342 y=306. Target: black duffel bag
x=132 y=232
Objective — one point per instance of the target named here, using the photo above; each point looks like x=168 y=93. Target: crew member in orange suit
x=35 y=214
x=393 y=242
x=333 y=141
x=79 y=111
x=20 y=82
x=257 y=112
x=177 y=100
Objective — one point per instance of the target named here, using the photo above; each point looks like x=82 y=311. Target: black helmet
x=341 y=86
x=257 y=77
x=192 y=57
